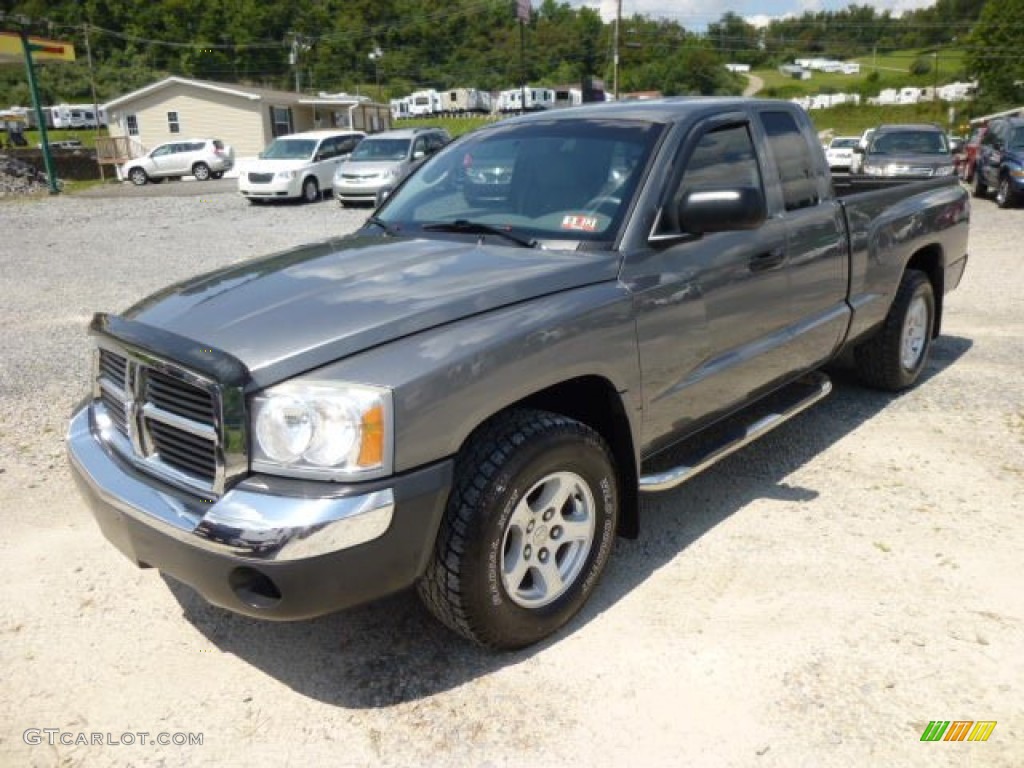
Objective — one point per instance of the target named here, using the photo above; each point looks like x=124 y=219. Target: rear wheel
x=894 y=357
x=138 y=177
x=201 y=171
x=310 y=190
x=217 y=175
x=529 y=527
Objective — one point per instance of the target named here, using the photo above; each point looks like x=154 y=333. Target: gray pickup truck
x=469 y=394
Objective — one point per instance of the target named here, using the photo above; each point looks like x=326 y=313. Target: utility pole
x=615 y=46
x=293 y=59
x=92 y=87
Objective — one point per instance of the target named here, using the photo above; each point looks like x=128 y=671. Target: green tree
x=993 y=55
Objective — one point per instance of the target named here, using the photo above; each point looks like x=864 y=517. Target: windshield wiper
x=479 y=228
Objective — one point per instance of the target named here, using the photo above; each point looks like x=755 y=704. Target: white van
x=299 y=165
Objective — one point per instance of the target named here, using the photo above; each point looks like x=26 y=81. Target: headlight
x=326 y=430
x=285 y=174
x=390 y=173
x=945 y=170
x=1017 y=173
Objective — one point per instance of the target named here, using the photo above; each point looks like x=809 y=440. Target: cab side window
x=796 y=167
x=724 y=158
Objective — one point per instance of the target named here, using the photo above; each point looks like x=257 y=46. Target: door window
x=723 y=158
x=793 y=160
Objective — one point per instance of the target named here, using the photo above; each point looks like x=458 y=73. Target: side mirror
x=418 y=154
x=721 y=210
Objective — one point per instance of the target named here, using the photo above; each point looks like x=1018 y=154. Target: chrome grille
x=261 y=178
x=165 y=419
x=174 y=395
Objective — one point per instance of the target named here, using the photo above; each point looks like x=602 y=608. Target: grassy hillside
x=890 y=70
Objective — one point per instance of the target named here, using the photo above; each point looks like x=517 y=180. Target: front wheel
x=1004 y=193
x=138 y=177
x=980 y=187
x=310 y=190
x=894 y=357
x=528 y=530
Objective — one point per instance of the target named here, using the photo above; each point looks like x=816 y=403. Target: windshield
x=844 y=143
x=909 y=143
x=570 y=179
x=379 y=150
x=290 y=149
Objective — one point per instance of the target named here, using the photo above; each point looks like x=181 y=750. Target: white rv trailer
x=460 y=101
x=536 y=98
x=424 y=103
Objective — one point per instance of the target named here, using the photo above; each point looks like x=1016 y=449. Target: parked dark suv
x=911 y=150
x=1000 y=161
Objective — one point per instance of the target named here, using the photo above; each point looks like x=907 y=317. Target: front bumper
x=278 y=189
x=268 y=548
x=361 y=191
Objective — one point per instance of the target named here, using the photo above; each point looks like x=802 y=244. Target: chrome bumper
x=240 y=523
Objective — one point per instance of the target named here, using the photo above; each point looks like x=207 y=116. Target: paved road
x=754 y=85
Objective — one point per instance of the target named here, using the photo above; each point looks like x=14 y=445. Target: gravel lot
x=813 y=601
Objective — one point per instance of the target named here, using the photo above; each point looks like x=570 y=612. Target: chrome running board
x=816 y=385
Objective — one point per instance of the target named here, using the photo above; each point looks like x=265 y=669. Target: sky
x=697 y=14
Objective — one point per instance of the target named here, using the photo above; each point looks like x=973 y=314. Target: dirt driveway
x=815 y=600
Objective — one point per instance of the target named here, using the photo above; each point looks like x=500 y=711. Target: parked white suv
x=202 y=158
x=297 y=165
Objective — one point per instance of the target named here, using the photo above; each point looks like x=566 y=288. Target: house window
x=132 y=122
x=280 y=121
x=173 y=125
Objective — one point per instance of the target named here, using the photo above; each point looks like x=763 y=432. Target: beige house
x=245 y=117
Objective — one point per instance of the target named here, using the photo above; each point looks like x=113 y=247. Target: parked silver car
x=202 y=158
x=382 y=160
x=911 y=150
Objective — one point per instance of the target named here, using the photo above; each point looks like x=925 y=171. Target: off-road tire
x=894 y=357
x=496 y=473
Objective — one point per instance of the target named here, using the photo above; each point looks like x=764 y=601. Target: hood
x=911 y=160
x=294 y=311
x=265 y=165
x=368 y=168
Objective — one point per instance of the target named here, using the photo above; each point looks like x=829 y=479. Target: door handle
x=762 y=262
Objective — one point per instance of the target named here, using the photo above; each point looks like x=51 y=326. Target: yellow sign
x=42 y=49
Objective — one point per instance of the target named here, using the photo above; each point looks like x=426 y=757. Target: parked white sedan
x=299 y=165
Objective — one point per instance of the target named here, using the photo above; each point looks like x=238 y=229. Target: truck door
x=816 y=241
x=710 y=308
